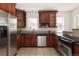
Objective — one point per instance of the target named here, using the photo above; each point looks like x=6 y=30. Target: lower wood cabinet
x=30 y=40
x=27 y=40
x=34 y=40
x=76 y=50
x=52 y=41
x=20 y=40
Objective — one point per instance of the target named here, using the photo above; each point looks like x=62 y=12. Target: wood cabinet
x=30 y=40
x=8 y=7
x=26 y=40
x=21 y=18
x=18 y=40
x=52 y=41
x=76 y=50
x=47 y=18
x=44 y=17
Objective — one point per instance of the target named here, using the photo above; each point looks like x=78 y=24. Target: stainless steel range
x=66 y=45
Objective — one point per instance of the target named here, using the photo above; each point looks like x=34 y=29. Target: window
x=60 y=24
x=32 y=23
x=76 y=21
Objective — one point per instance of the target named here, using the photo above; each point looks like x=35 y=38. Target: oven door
x=65 y=47
x=65 y=50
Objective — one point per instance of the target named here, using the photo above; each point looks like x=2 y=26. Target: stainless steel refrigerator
x=10 y=22
x=3 y=41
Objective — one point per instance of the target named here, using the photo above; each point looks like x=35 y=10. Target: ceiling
x=47 y=6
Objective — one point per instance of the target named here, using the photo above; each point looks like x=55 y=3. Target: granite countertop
x=39 y=31
x=36 y=32
x=70 y=37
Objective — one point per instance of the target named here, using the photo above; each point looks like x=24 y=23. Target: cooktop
x=70 y=39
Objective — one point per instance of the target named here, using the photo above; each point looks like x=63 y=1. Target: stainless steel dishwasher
x=41 y=40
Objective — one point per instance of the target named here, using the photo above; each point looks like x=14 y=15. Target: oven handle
x=64 y=39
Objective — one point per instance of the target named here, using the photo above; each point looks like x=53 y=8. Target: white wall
x=67 y=20
x=74 y=13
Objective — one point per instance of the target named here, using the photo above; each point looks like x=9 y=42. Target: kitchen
x=34 y=27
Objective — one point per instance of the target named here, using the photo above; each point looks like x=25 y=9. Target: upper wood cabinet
x=21 y=18
x=44 y=17
x=8 y=7
x=47 y=18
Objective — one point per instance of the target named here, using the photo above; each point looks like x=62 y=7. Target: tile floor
x=37 y=52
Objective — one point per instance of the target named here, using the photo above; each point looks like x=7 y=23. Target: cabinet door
x=22 y=40
x=8 y=7
x=34 y=40
x=44 y=17
x=28 y=40
x=76 y=50
x=51 y=41
x=12 y=10
x=52 y=20
x=18 y=40
x=48 y=40
x=21 y=15
x=19 y=19
x=3 y=6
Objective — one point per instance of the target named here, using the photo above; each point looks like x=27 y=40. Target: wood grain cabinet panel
x=34 y=40
x=26 y=40
x=22 y=40
x=76 y=50
x=44 y=17
x=52 y=41
x=47 y=18
x=18 y=40
x=21 y=18
x=8 y=7
x=30 y=40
